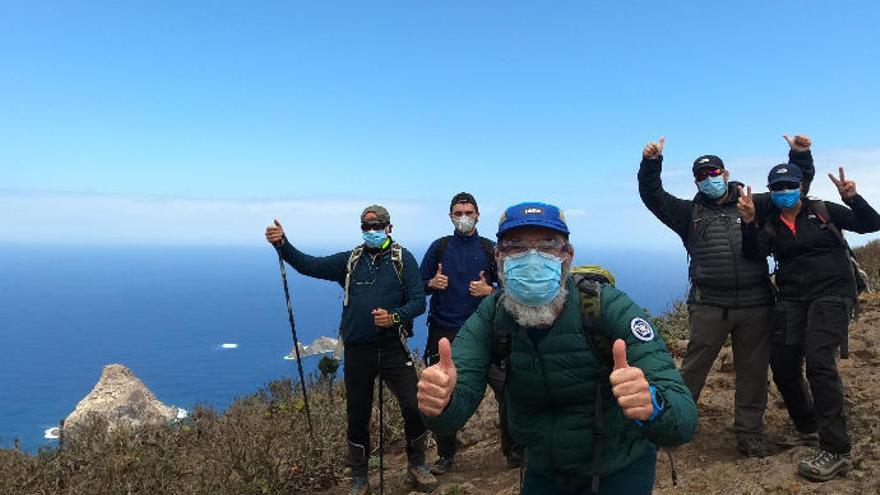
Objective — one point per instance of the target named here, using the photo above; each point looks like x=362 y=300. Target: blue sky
x=198 y=122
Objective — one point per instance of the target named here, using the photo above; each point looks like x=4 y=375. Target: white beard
x=537 y=316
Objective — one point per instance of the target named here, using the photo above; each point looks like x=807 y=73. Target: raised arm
x=860 y=217
x=674 y=212
x=324 y=267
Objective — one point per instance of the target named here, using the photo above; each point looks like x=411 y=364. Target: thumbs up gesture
x=630 y=386
x=437 y=382
x=798 y=143
x=479 y=287
x=653 y=150
x=439 y=281
x=274 y=233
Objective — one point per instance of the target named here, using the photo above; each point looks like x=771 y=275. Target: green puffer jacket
x=551 y=388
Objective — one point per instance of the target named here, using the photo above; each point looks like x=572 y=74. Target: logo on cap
x=533 y=211
x=704 y=160
x=782 y=170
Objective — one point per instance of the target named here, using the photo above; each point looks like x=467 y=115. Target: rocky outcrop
x=321 y=345
x=120 y=398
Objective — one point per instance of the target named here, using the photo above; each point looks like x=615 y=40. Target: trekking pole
x=302 y=378
x=381 y=425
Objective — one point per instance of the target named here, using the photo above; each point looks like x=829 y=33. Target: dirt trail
x=710 y=464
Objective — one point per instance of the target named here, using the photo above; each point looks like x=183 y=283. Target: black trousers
x=447 y=445
x=811 y=332
x=399 y=375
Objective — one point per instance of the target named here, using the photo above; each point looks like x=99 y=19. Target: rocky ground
x=710 y=464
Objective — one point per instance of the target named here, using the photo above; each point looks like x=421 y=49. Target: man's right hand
x=274 y=233
x=439 y=281
x=653 y=150
x=437 y=382
x=746 y=205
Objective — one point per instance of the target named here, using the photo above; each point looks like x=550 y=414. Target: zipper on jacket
x=552 y=409
x=734 y=258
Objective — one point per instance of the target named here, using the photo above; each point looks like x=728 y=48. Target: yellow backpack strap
x=397 y=261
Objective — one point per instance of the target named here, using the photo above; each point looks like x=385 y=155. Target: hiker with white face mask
x=459 y=271
x=589 y=385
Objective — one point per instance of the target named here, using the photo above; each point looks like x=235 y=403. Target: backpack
x=406 y=327
x=860 y=278
x=589 y=280
x=488 y=249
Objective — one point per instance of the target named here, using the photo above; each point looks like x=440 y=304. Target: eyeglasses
x=516 y=246
x=373 y=226
x=705 y=173
x=784 y=186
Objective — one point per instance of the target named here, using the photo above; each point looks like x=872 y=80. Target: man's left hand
x=480 y=288
x=630 y=386
x=846 y=188
x=382 y=318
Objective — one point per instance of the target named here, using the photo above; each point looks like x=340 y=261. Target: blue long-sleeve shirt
x=374 y=284
x=462 y=261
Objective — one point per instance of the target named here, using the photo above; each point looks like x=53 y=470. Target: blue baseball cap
x=532 y=214
x=785 y=172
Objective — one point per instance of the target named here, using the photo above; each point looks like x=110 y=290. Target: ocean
x=166 y=313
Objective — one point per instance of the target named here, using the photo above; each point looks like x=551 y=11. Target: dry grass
x=260 y=445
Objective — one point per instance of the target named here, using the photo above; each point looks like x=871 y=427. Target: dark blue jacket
x=462 y=261
x=374 y=284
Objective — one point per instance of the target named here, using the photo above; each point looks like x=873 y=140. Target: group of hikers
x=586 y=388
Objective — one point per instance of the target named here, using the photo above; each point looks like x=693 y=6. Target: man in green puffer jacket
x=554 y=378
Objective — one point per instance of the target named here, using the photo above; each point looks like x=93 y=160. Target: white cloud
x=610 y=214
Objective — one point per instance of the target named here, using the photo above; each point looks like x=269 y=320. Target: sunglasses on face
x=516 y=246
x=705 y=173
x=785 y=186
x=366 y=226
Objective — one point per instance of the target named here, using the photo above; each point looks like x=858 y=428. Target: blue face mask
x=785 y=199
x=375 y=238
x=532 y=278
x=713 y=187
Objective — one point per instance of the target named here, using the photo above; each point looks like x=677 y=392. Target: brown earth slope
x=710 y=464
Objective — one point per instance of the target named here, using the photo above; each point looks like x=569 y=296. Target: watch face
x=395 y=318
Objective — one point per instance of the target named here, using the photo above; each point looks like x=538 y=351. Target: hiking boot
x=824 y=465
x=796 y=438
x=751 y=446
x=360 y=485
x=442 y=466
x=421 y=477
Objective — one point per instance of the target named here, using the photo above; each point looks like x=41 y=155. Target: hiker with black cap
x=383 y=294
x=818 y=285
x=459 y=271
x=730 y=295
x=590 y=387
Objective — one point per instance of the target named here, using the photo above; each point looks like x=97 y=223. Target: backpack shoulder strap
x=349 y=267
x=821 y=210
x=489 y=250
x=441 y=247
x=397 y=260
x=590 y=293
